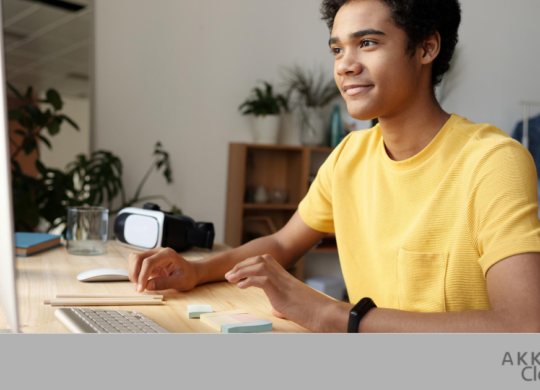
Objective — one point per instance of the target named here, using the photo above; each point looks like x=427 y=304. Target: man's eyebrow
x=357 y=34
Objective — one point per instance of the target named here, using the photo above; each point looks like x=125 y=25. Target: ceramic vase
x=312 y=126
x=289 y=132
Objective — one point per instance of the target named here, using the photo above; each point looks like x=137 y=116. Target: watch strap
x=358 y=312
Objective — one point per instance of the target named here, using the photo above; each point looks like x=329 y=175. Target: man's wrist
x=335 y=317
x=210 y=269
x=199 y=271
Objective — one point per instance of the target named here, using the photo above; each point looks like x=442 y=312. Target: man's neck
x=406 y=133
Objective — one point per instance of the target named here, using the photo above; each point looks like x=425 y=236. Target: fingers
x=148 y=265
x=259 y=269
x=135 y=261
x=249 y=261
x=158 y=284
x=262 y=282
x=267 y=260
x=277 y=314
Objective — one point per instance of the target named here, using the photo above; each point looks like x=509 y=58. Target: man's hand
x=288 y=296
x=166 y=268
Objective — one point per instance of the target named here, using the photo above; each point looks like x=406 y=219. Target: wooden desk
x=54 y=272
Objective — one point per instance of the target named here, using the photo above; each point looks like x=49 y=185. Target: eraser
x=195 y=311
x=248 y=327
x=215 y=320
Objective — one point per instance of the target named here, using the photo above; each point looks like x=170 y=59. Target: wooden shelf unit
x=272 y=166
x=269 y=206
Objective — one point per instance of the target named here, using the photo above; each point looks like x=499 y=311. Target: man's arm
x=513 y=288
x=288 y=245
x=514 y=291
x=167 y=269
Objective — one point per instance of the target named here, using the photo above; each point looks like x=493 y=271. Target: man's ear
x=431 y=48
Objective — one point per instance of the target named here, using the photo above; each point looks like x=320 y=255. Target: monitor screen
x=8 y=293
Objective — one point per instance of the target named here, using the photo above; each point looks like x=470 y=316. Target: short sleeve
x=504 y=205
x=316 y=208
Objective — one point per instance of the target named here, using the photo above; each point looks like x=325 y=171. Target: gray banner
x=310 y=361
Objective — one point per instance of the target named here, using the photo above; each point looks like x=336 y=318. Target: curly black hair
x=419 y=19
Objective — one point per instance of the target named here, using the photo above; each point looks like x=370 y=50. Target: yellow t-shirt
x=420 y=234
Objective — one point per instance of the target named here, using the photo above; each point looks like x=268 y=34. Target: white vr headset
x=149 y=228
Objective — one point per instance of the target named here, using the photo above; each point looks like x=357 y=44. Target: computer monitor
x=8 y=291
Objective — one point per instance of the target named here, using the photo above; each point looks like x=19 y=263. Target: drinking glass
x=87 y=231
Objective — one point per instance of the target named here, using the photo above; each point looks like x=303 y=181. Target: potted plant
x=310 y=92
x=93 y=180
x=265 y=107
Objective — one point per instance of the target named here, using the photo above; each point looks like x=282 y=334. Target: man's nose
x=349 y=65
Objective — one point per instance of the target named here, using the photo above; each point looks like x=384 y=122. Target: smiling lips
x=355 y=89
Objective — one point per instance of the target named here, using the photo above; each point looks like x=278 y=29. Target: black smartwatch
x=358 y=312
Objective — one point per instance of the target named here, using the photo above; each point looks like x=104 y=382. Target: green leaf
x=101 y=175
x=30 y=93
x=45 y=141
x=70 y=121
x=259 y=94
x=15 y=91
x=268 y=89
x=54 y=127
x=16 y=167
x=176 y=210
x=34 y=113
x=264 y=102
x=54 y=99
x=46 y=116
x=40 y=167
x=29 y=146
x=168 y=175
x=26 y=122
x=14 y=115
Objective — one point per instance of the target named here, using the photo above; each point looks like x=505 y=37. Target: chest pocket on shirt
x=421 y=281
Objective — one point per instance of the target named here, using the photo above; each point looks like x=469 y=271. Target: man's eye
x=336 y=50
x=366 y=40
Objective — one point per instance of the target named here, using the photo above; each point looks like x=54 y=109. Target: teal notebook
x=28 y=244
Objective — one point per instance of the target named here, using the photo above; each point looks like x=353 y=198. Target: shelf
x=288 y=147
x=269 y=206
x=324 y=149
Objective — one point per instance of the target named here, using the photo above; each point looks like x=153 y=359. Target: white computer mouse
x=103 y=275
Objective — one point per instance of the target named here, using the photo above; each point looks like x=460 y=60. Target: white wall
x=176 y=71
x=500 y=62
x=69 y=142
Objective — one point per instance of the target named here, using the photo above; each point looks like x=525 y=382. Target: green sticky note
x=195 y=311
x=248 y=327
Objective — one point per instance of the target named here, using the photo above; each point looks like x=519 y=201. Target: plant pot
x=312 y=125
x=265 y=129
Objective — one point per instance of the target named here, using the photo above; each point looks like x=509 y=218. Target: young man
x=435 y=216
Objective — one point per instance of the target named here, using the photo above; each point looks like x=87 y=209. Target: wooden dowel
x=103 y=302
x=154 y=296
x=105 y=297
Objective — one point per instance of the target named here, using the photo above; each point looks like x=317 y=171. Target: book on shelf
x=28 y=244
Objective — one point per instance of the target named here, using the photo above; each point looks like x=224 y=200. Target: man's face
x=372 y=70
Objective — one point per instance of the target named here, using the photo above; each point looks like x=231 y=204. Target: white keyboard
x=106 y=321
